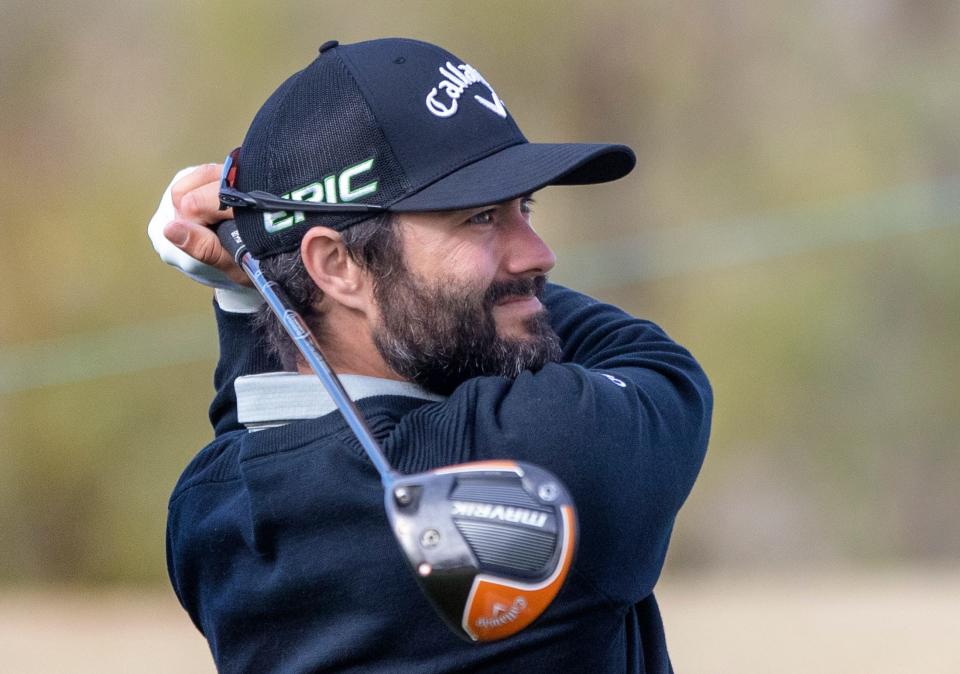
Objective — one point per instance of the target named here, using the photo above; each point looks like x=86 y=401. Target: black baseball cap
x=400 y=125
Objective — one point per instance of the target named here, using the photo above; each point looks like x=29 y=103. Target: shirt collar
x=276 y=398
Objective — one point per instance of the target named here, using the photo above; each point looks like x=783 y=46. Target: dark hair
x=373 y=244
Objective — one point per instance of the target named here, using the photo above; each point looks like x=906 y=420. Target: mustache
x=514 y=287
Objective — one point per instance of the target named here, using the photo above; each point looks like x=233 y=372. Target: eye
x=526 y=205
x=482 y=218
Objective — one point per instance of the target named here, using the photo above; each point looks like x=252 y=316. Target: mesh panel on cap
x=313 y=126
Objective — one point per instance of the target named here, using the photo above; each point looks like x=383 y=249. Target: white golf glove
x=230 y=296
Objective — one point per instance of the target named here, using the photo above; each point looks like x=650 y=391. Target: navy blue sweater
x=279 y=548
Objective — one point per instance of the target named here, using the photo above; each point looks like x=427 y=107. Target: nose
x=525 y=253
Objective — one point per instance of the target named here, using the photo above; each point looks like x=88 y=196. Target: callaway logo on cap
x=457 y=79
x=397 y=124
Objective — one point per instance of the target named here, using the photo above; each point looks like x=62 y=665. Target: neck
x=350 y=364
x=351 y=350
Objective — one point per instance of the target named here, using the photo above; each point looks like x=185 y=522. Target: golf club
x=490 y=542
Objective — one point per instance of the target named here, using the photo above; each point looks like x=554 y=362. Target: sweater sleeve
x=623 y=421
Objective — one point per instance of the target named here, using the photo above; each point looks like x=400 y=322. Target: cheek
x=456 y=260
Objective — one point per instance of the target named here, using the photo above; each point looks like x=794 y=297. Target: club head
x=490 y=542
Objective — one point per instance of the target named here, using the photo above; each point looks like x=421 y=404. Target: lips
x=516 y=298
x=509 y=291
x=520 y=302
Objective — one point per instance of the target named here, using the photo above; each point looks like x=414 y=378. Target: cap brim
x=518 y=170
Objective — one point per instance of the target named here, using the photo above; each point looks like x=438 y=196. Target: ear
x=326 y=259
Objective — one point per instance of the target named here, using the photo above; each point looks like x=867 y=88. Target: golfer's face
x=477 y=247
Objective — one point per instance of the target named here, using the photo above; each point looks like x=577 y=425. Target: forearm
x=624 y=421
x=241 y=353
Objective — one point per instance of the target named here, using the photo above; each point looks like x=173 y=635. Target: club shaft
x=278 y=301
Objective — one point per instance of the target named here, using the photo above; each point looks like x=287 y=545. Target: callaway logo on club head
x=456 y=80
x=503 y=615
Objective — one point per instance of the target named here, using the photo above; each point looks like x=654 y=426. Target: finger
x=202 y=244
x=207 y=173
x=202 y=205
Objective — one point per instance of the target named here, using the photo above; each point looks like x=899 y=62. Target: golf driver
x=490 y=542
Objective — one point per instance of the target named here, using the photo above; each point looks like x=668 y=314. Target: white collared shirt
x=276 y=398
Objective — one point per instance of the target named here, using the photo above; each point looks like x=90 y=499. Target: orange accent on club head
x=480 y=465
x=496 y=609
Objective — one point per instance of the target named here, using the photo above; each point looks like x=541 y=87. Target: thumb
x=201 y=244
x=197 y=241
x=177 y=233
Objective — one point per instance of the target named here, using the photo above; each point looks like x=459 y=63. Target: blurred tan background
x=793 y=220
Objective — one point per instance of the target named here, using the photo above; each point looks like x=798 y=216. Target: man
x=435 y=312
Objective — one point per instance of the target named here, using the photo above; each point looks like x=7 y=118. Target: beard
x=441 y=333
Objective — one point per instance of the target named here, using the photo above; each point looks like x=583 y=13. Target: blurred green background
x=793 y=220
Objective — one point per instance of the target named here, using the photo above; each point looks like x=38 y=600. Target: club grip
x=230 y=239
